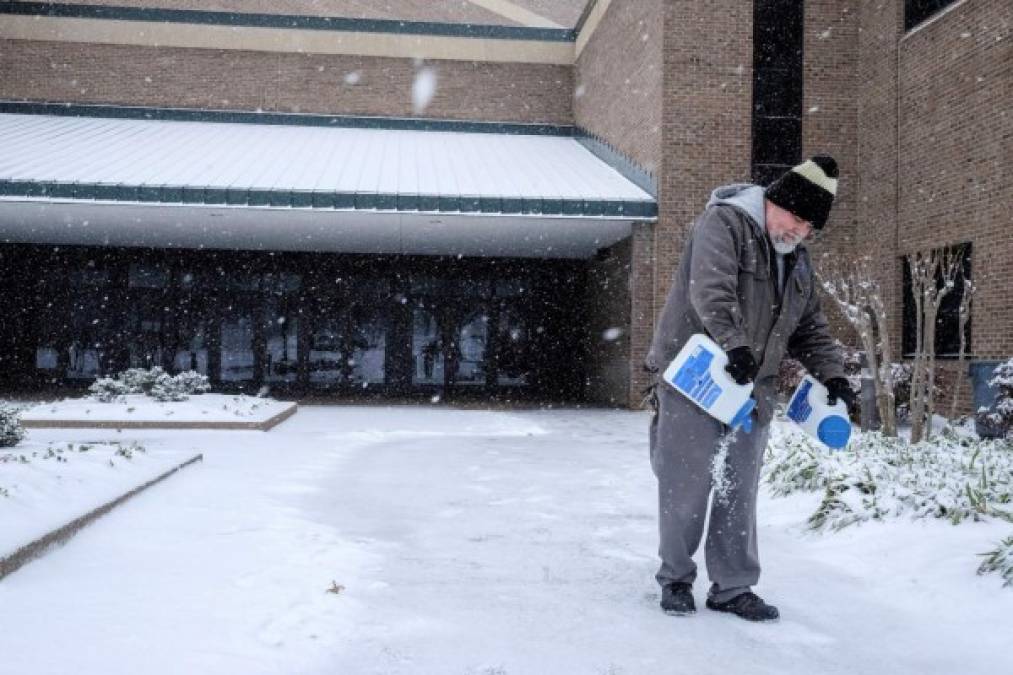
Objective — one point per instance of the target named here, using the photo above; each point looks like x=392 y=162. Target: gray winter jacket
x=726 y=286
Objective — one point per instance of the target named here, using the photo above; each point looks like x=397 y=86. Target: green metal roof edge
x=281 y=118
x=446 y=29
x=321 y=199
x=629 y=169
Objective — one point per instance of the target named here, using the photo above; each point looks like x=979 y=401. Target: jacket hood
x=744 y=196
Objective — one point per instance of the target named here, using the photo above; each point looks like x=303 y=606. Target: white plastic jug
x=698 y=371
x=808 y=408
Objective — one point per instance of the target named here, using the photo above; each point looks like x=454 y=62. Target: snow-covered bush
x=107 y=389
x=154 y=382
x=1000 y=560
x=1000 y=416
x=954 y=477
x=179 y=387
x=11 y=431
x=141 y=380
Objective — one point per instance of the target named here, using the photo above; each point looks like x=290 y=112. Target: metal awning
x=214 y=184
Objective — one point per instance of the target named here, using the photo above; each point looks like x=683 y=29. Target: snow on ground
x=44 y=486
x=471 y=542
x=142 y=408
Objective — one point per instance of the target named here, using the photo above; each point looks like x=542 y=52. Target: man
x=746 y=281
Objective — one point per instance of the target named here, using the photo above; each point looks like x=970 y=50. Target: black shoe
x=677 y=599
x=747 y=605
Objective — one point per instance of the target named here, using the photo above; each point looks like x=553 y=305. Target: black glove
x=840 y=388
x=741 y=365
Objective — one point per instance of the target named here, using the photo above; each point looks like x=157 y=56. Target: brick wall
x=241 y=80
x=955 y=153
x=830 y=125
x=607 y=299
x=934 y=133
x=618 y=82
x=706 y=117
x=618 y=99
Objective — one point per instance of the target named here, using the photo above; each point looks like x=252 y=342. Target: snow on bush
x=1000 y=560
x=107 y=389
x=179 y=387
x=154 y=382
x=953 y=477
x=1001 y=414
x=11 y=431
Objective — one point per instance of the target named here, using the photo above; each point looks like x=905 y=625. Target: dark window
x=916 y=11
x=948 y=320
x=778 y=36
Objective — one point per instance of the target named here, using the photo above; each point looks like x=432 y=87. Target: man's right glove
x=741 y=365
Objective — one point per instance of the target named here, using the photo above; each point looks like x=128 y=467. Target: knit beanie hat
x=807 y=190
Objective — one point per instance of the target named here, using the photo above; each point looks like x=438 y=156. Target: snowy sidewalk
x=471 y=542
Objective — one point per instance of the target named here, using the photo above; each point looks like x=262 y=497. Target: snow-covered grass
x=45 y=485
x=1000 y=560
x=417 y=539
x=143 y=408
x=953 y=476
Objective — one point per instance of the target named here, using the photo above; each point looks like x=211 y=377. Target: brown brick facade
x=618 y=100
x=919 y=122
x=830 y=125
x=239 y=80
x=934 y=146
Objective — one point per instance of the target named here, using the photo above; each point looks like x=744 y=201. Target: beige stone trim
x=591 y=24
x=509 y=10
x=287 y=40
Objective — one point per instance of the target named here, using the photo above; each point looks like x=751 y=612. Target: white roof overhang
x=159 y=183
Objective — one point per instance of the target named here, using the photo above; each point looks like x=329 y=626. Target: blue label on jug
x=799 y=408
x=694 y=378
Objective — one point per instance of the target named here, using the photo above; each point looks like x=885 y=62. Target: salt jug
x=698 y=372
x=808 y=408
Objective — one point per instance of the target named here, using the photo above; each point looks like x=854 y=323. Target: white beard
x=784 y=244
x=783 y=247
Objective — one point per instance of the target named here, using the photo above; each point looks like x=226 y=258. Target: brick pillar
x=642 y=307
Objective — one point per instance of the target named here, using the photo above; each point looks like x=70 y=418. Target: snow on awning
x=106 y=181
x=232 y=164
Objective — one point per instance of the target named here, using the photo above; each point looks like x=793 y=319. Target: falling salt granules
x=720 y=481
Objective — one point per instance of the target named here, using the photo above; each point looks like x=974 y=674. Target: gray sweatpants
x=683 y=442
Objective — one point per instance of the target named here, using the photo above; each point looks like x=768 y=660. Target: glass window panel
x=148 y=276
x=469 y=350
x=427 y=347
x=777 y=140
x=513 y=362
x=237 y=346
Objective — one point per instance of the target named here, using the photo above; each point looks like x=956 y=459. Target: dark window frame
x=917 y=12
x=778 y=87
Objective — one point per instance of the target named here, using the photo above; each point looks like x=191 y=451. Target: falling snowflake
x=423 y=89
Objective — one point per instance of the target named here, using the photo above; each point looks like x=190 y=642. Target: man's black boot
x=677 y=599
x=748 y=605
